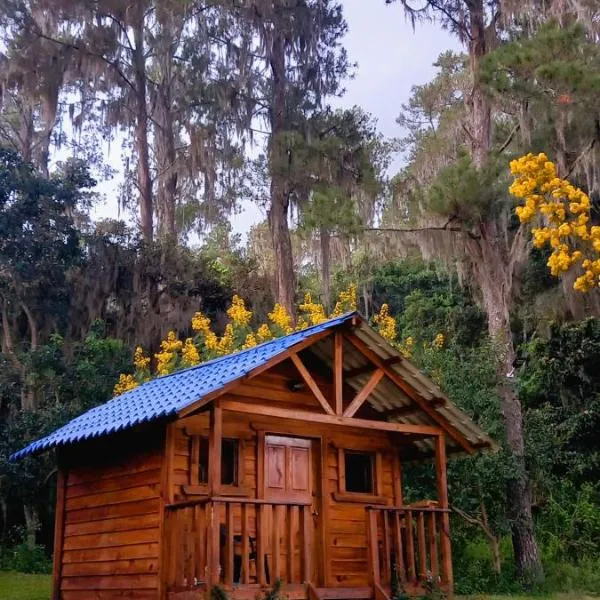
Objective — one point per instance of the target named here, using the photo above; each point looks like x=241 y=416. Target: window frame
x=196 y=487
x=343 y=495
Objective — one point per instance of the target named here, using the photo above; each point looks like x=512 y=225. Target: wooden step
x=350 y=593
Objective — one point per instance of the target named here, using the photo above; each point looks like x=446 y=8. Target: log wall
x=112 y=518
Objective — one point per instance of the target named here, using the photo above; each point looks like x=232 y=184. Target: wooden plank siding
x=112 y=508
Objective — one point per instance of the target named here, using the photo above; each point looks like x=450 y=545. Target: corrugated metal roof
x=168 y=395
x=388 y=397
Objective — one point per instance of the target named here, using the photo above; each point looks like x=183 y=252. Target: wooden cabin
x=281 y=462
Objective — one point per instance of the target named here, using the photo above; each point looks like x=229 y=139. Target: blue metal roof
x=167 y=395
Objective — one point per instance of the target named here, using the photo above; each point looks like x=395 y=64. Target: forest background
x=228 y=101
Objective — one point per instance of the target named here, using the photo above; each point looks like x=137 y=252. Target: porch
x=247 y=545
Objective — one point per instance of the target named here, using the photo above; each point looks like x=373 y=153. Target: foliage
x=23 y=559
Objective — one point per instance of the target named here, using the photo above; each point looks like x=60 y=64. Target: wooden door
x=288 y=469
x=288 y=477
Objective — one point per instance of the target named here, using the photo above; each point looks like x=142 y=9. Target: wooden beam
x=350 y=373
x=59 y=530
x=456 y=435
x=311 y=417
x=366 y=391
x=338 y=367
x=442 y=489
x=208 y=398
x=215 y=438
x=412 y=408
x=311 y=383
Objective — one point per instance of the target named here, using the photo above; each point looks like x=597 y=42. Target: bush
x=25 y=560
x=568 y=577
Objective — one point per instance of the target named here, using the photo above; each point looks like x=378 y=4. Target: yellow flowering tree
x=564 y=211
x=177 y=354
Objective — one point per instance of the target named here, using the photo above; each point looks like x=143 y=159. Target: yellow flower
x=566 y=210
x=264 y=334
x=250 y=341
x=125 y=383
x=314 y=312
x=439 y=341
x=140 y=360
x=200 y=323
x=346 y=301
x=225 y=345
x=407 y=347
x=238 y=313
x=211 y=341
x=190 y=355
x=281 y=318
x=172 y=343
x=386 y=325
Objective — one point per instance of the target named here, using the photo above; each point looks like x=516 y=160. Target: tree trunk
x=518 y=492
x=164 y=136
x=141 y=127
x=495 y=278
x=167 y=175
x=325 y=239
x=32 y=524
x=278 y=211
x=480 y=108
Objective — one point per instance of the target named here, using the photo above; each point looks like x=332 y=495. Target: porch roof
x=167 y=396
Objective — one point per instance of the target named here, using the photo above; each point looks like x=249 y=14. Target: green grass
x=20 y=586
x=572 y=596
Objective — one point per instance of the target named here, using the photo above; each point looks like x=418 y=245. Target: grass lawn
x=19 y=586
x=573 y=596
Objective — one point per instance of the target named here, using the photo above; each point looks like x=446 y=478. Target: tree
x=38 y=245
x=300 y=62
x=472 y=224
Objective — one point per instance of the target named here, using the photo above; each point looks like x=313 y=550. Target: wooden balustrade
x=239 y=542
x=410 y=543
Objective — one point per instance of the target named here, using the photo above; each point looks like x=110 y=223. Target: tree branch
x=509 y=139
x=445 y=227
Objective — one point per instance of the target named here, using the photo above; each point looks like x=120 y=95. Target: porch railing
x=239 y=542
x=411 y=544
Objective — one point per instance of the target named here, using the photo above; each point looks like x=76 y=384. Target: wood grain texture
x=112 y=514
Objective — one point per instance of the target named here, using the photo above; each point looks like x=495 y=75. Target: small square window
x=229 y=462
x=359 y=471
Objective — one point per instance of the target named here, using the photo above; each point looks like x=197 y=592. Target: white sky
x=391 y=58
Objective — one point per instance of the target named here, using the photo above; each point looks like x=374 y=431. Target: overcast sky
x=391 y=58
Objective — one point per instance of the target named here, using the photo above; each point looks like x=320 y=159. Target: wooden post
x=373 y=546
x=306 y=544
x=213 y=568
x=215 y=439
x=338 y=371
x=261 y=540
x=59 y=530
x=245 y=575
x=421 y=545
x=410 y=547
x=229 y=550
x=442 y=489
